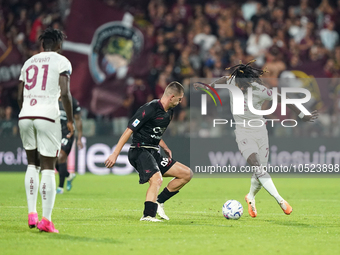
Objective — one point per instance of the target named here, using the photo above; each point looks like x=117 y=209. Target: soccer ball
x=232 y=209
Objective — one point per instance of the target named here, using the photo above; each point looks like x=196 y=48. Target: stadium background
x=125 y=52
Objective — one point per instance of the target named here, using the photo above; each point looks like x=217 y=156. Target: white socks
x=32 y=187
x=47 y=192
x=268 y=184
x=255 y=187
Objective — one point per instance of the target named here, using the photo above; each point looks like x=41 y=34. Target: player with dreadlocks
x=253 y=142
x=44 y=78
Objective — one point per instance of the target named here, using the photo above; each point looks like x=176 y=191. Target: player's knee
x=156 y=180
x=253 y=160
x=160 y=181
x=189 y=175
x=62 y=158
x=33 y=157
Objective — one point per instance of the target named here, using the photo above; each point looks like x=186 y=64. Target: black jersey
x=149 y=123
x=63 y=116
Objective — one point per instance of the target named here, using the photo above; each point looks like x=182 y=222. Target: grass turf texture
x=100 y=215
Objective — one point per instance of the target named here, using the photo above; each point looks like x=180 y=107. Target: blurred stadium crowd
x=200 y=39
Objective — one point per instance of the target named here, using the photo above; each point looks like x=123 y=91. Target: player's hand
x=80 y=144
x=70 y=128
x=312 y=117
x=167 y=152
x=111 y=160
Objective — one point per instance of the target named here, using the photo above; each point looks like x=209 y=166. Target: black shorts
x=66 y=143
x=147 y=162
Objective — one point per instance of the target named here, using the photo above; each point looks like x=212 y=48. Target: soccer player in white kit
x=253 y=141
x=44 y=77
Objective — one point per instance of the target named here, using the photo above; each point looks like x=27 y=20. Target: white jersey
x=40 y=75
x=260 y=94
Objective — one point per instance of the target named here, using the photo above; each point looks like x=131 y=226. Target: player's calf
x=150 y=207
x=182 y=174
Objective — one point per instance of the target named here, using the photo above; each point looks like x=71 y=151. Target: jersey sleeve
x=65 y=66
x=22 y=75
x=76 y=106
x=142 y=115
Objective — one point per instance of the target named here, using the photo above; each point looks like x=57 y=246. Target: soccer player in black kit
x=148 y=125
x=66 y=145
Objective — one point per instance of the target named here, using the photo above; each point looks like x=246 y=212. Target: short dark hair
x=51 y=38
x=245 y=74
x=175 y=88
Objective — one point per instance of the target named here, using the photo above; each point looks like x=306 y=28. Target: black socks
x=150 y=209
x=165 y=195
x=63 y=173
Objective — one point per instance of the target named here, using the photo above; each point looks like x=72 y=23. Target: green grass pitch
x=100 y=215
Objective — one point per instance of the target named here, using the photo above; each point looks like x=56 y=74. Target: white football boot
x=160 y=211
x=149 y=218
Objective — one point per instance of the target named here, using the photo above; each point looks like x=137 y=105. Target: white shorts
x=41 y=134
x=253 y=141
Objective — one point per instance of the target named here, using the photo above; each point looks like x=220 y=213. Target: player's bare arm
x=306 y=118
x=166 y=149
x=79 y=127
x=66 y=98
x=111 y=160
x=20 y=94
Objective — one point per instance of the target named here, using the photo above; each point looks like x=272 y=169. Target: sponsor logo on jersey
x=33 y=102
x=135 y=122
x=157 y=130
